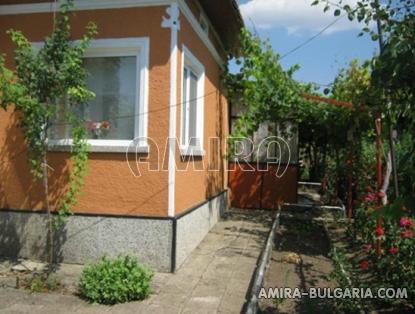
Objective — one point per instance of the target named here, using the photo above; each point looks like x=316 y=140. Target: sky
x=289 y=23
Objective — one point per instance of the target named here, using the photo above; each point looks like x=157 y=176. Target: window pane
x=193 y=110
x=184 y=105
x=110 y=115
x=60 y=128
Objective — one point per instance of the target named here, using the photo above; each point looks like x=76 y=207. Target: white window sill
x=191 y=151
x=101 y=146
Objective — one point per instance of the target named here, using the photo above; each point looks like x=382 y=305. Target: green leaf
x=36 y=87
x=347 y=8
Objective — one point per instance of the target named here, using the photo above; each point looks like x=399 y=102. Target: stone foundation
x=162 y=243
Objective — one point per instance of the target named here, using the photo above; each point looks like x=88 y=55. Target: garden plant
x=43 y=81
x=118 y=280
x=371 y=174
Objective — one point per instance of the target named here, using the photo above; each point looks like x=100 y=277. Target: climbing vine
x=52 y=77
x=79 y=169
x=264 y=90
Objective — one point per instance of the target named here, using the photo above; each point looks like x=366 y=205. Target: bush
x=116 y=280
x=42 y=283
x=395 y=265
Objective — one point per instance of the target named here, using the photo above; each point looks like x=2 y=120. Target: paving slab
x=213 y=279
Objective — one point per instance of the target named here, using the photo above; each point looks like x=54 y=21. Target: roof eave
x=227 y=21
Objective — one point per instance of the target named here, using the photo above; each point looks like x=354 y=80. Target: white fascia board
x=184 y=8
x=80 y=5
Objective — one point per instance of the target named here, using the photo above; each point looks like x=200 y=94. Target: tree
x=393 y=68
x=43 y=82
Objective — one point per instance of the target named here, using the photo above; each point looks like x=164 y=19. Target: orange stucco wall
x=110 y=187
x=193 y=186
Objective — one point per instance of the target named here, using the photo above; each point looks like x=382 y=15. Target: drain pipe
x=251 y=306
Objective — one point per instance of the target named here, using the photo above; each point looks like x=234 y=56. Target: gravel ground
x=299 y=260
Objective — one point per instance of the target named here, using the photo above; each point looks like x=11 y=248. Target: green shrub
x=42 y=283
x=118 y=280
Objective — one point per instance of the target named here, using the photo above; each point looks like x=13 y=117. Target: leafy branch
x=262 y=87
x=52 y=77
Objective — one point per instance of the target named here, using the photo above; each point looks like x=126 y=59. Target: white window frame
x=204 y=22
x=121 y=47
x=191 y=62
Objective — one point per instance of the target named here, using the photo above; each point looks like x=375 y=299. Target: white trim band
x=82 y=5
x=172 y=22
x=101 y=146
x=200 y=32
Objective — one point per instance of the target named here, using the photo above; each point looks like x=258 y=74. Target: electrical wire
x=312 y=38
x=207 y=94
x=149 y=111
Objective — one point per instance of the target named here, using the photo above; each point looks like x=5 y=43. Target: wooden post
x=350 y=186
x=378 y=125
x=350 y=175
x=389 y=120
x=337 y=171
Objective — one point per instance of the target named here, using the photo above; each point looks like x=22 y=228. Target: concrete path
x=214 y=279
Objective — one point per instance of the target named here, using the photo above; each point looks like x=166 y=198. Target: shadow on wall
x=214 y=181
x=25 y=234
x=16 y=187
x=11 y=236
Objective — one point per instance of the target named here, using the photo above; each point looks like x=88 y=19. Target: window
x=203 y=22
x=117 y=74
x=191 y=138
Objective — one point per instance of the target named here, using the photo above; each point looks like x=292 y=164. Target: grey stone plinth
x=159 y=243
